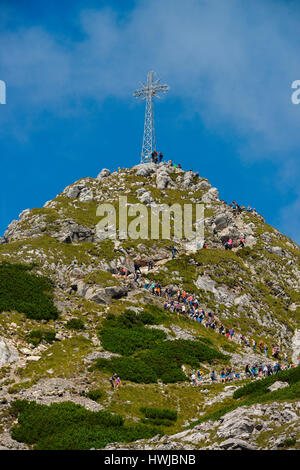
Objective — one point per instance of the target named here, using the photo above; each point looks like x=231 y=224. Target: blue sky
x=71 y=67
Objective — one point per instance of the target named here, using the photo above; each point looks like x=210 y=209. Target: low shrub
x=290 y=442
x=160 y=413
x=128 y=368
x=36 y=336
x=26 y=293
x=75 y=324
x=161 y=361
x=126 y=333
x=126 y=341
x=94 y=395
x=67 y=426
x=148 y=319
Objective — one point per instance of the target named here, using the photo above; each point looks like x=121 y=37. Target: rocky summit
x=149 y=343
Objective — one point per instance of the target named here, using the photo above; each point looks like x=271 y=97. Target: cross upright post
x=151 y=89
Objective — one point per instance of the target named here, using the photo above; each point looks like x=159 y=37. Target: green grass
x=101 y=278
x=158 y=416
x=64 y=358
x=58 y=252
x=67 y=426
x=26 y=293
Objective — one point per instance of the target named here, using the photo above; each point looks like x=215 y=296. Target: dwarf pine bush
x=36 y=336
x=67 y=426
x=26 y=293
x=160 y=361
x=159 y=413
x=75 y=324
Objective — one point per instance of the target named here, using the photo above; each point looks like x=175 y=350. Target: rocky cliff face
x=254 y=289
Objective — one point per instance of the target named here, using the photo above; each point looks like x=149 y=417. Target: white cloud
x=230 y=62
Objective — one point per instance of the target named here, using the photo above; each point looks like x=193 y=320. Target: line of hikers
x=187 y=304
x=238 y=209
x=229 y=243
x=264 y=370
x=228 y=374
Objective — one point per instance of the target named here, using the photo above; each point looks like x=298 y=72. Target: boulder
x=145 y=169
x=235 y=424
x=8 y=353
x=206 y=284
x=103 y=174
x=277 y=386
x=236 y=444
x=8 y=234
x=33 y=358
x=187 y=180
x=204 y=185
x=277 y=250
x=162 y=178
x=73 y=192
x=211 y=195
x=24 y=213
x=146 y=198
x=105 y=295
x=296 y=346
x=86 y=195
x=222 y=221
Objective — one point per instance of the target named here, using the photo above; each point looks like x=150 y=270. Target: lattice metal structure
x=151 y=89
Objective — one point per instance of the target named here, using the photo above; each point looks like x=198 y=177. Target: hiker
x=174 y=251
x=242 y=242
x=193 y=377
x=160 y=157
x=150 y=264
x=137 y=267
x=213 y=376
x=112 y=380
x=118 y=382
x=154 y=156
x=230 y=244
x=204 y=244
x=152 y=287
x=253 y=344
x=199 y=374
x=222 y=376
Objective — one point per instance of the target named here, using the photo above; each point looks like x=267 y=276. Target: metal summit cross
x=148 y=91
